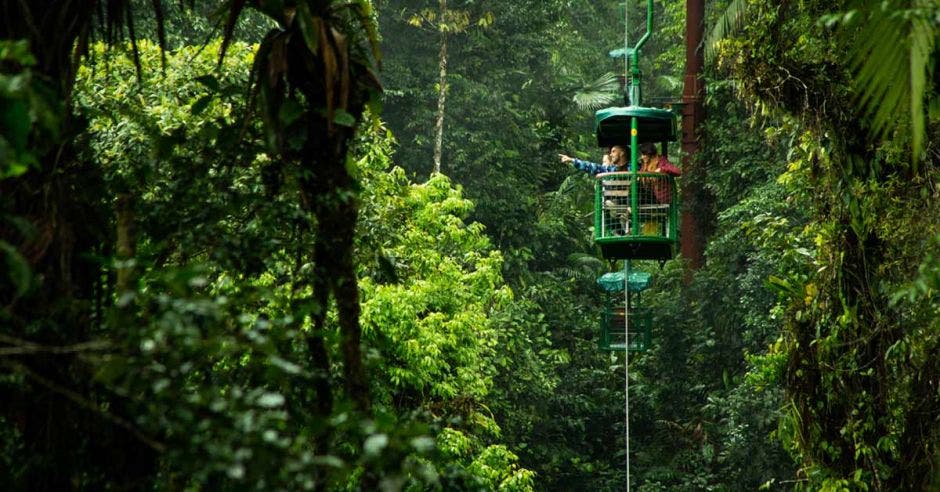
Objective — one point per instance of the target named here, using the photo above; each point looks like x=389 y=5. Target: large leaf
x=18 y=270
x=890 y=56
x=599 y=93
x=730 y=21
x=309 y=28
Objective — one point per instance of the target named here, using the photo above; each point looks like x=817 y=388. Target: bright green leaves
x=432 y=316
x=493 y=467
x=449 y=20
x=433 y=321
x=496 y=466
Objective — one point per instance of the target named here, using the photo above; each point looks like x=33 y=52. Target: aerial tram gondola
x=635 y=216
x=635 y=213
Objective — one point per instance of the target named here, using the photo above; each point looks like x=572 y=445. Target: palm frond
x=730 y=21
x=669 y=83
x=581 y=267
x=599 y=93
x=890 y=59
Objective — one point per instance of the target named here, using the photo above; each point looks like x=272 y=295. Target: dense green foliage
x=861 y=340
x=239 y=272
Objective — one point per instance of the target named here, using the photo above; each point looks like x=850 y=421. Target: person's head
x=618 y=155
x=647 y=155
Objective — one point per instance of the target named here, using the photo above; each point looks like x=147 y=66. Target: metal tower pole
x=693 y=114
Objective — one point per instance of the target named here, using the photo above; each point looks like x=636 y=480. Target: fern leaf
x=601 y=92
x=729 y=22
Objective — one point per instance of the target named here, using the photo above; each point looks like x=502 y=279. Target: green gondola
x=613 y=319
x=635 y=214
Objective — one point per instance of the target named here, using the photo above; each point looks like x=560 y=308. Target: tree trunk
x=441 y=94
x=329 y=192
x=126 y=242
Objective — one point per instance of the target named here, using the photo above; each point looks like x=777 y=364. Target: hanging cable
x=626 y=266
x=626 y=363
x=626 y=277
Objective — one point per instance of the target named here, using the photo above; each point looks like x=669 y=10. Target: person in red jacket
x=652 y=162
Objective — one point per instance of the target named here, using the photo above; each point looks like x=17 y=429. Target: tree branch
x=89 y=405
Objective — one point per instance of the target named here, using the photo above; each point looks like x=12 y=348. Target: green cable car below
x=635 y=213
x=616 y=312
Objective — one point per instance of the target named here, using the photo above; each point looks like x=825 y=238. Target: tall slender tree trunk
x=441 y=94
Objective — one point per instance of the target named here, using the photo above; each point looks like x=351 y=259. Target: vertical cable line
x=626 y=363
x=626 y=277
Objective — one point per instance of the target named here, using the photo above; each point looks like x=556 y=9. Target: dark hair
x=648 y=149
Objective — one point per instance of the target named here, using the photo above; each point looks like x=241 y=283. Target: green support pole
x=599 y=208
x=649 y=26
x=634 y=82
x=634 y=186
x=634 y=92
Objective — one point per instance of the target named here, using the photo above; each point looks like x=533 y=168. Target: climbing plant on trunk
x=313 y=79
x=863 y=411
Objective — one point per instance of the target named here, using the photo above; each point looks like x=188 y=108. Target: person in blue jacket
x=615 y=160
x=616 y=211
